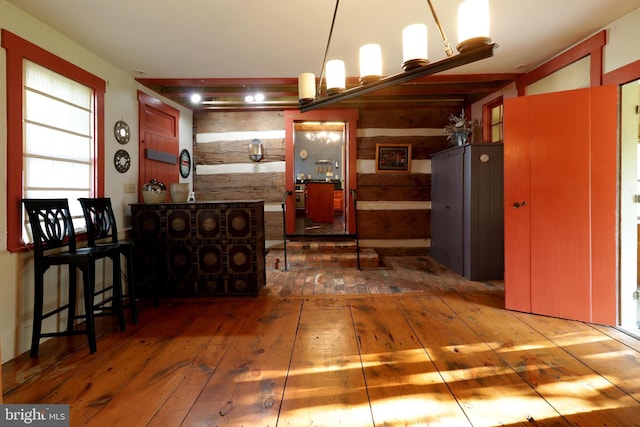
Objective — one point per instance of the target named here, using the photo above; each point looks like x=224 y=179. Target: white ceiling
x=282 y=38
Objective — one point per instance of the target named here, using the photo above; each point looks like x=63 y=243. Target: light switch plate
x=129 y=187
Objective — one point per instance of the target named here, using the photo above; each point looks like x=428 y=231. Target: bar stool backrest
x=51 y=224
x=101 y=222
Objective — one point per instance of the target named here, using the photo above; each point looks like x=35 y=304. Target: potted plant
x=459 y=129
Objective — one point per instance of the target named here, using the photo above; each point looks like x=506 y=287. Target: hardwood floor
x=441 y=352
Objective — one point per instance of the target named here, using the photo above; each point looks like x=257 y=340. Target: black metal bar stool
x=52 y=228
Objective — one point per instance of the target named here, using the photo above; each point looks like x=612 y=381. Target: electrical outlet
x=129 y=187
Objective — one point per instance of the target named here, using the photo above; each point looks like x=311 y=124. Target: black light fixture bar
x=463 y=58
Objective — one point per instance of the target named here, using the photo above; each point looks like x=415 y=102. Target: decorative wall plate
x=122 y=132
x=122 y=161
x=185 y=163
x=303 y=154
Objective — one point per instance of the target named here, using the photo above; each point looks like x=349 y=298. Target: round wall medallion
x=303 y=154
x=185 y=163
x=122 y=161
x=122 y=132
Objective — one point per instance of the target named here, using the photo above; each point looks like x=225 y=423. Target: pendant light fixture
x=414 y=46
x=336 y=77
x=370 y=63
x=474 y=45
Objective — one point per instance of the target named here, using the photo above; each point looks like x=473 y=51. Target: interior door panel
x=560 y=204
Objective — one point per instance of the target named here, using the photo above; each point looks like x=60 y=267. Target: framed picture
x=393 y=157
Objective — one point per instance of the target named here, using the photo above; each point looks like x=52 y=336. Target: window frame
x=17 y=49
x=486 y=120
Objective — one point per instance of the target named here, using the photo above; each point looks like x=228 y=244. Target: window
x=492 y=121
x=58 y=138
x=55 y=128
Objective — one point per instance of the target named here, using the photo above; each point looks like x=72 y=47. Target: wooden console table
x=204 y=248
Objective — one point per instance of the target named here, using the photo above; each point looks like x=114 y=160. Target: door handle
x=517 y=205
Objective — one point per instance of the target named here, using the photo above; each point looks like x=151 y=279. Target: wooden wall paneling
x=517 y=221
x=236 y=121
x=397 y=124
x=394 y=224
x=273 y=226
x=404 y=118
x=413 y=187
x=394 y=193
x=242 y=186
x=220 y=128
x=228 y=152
x=422 y=147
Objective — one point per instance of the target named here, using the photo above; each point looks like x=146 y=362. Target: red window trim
x=486 y=117
x=593 y=47
x=18 y=49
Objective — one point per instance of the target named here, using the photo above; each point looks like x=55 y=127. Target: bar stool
x=102 y=232
x=52 y=229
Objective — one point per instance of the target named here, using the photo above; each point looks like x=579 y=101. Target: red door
x=560 y=204
x=158 y=155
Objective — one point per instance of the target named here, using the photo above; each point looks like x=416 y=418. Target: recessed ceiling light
x=259 y=97
x=196 y=98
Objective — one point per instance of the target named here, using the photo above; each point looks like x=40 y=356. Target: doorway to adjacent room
x=320 y=172
x=319 y=177
x=629 y=228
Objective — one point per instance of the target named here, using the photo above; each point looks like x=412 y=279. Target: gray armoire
x=467 y=233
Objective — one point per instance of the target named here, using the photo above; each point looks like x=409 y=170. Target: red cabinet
x=320 y=201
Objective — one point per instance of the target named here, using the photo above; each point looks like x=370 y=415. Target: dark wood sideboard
x=204 y=248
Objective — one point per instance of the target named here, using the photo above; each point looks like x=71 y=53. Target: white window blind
x=58 y=141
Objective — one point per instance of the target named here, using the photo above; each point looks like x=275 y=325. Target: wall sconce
x=256 y=150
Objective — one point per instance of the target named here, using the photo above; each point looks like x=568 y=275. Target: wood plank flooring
x=439 y=352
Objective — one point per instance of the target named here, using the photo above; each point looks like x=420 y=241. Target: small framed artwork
x=393 y=157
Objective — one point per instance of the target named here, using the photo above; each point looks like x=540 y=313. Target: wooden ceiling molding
x=456 y=90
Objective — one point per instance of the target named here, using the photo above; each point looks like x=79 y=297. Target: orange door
x=158 y=155
x=517 y=229
x=560 y=209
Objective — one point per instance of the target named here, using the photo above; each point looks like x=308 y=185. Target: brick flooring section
x=392 y=275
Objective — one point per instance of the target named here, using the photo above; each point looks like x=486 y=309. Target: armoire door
x=447 y=208
x=560 y=204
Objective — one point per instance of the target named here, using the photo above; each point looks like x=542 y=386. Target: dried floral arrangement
x=459 y=129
